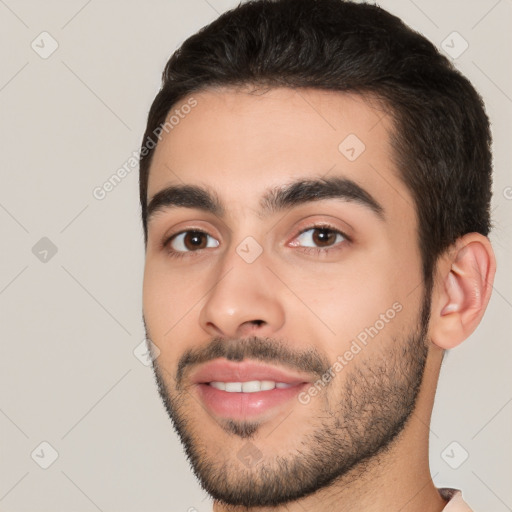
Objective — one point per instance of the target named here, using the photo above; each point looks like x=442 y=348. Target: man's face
x=303 y=269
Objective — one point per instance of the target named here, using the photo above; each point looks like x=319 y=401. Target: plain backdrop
x=71 y=264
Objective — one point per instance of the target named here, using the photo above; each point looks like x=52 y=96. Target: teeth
x=233 y=387
x=251 y=386
x=267 y=385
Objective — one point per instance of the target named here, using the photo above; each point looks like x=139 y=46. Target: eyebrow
x=305 y=191
x=185 y=196
x=275 y=200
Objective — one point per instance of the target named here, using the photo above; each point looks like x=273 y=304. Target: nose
x=243 y=300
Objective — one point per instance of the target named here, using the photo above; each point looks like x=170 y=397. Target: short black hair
x=441 y=136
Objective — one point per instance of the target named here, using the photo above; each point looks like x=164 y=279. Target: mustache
x=261 y=349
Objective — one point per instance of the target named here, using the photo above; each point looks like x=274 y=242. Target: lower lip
x=244 y=405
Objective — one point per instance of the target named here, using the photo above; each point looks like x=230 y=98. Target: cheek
x=354 y=304
x=367 y=296
x=170 y=303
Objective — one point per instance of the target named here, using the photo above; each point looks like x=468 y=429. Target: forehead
x=240 y=143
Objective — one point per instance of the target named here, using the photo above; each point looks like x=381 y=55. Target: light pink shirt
x=456 y=503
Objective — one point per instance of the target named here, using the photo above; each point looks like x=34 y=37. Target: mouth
x=252 y=386
x=246 y=389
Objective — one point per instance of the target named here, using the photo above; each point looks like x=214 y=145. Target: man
x=315 y=188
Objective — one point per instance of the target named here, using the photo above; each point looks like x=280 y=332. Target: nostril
x=250 y=327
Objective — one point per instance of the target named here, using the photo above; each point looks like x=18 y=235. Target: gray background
x=70 y=321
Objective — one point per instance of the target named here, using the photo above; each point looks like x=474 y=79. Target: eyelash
x=319 y=251
x=308 y=250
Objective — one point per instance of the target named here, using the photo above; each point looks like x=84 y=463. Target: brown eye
x=194 y=240
x=189 y=241
x=324 y=237
x=320 y=236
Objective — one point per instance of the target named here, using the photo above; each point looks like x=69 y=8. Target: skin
x=239 y=145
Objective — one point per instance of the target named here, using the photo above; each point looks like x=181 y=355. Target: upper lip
x=222 y=370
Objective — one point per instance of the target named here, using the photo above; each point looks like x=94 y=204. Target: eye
x=319 y=237
x=190 y=241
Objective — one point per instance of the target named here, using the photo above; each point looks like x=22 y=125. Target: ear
x=462 y=289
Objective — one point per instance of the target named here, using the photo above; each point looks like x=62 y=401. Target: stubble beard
x=363 y=418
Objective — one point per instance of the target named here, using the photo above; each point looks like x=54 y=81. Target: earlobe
x=462 y=291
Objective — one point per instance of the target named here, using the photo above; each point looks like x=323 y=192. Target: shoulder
x=455 y=503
